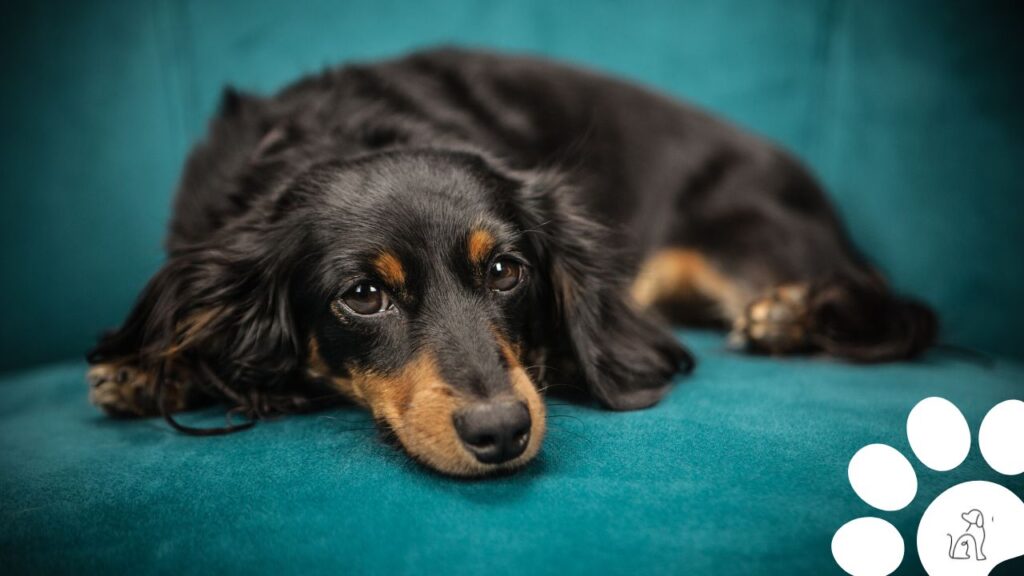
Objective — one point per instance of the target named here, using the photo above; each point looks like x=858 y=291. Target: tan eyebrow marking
x=390 y=269
x=479 y=245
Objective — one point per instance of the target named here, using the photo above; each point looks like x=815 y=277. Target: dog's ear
x=624 y=357
x=222 y=306
x=973 y=517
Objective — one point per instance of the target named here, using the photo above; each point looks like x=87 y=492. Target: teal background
x=909 y=111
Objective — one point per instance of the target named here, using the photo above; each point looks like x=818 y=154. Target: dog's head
x=974 y=517
x=432 y=287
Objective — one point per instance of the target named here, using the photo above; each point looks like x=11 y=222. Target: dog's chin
x=464 y=465
x=439 y=448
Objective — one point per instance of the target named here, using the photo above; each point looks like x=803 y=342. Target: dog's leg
x=687 y=287
x=767 y=249
x=852 y=317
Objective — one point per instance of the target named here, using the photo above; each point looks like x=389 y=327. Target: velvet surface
x=741 y=470
x=909 y=111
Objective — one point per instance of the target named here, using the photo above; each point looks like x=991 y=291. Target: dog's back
x=708 y=219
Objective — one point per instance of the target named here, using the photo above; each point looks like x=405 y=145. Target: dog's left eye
x=366 y=299
x=504 y=275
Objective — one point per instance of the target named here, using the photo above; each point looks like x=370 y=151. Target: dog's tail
x=860 y=319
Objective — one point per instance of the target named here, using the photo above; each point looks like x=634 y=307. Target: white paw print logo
x=969 y=528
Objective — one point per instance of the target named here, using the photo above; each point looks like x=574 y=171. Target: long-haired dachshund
x=440 y=237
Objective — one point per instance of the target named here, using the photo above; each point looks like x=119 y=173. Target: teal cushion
x=741 y=470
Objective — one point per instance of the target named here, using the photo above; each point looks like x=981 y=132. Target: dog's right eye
x=504 y=275
x=366 y=299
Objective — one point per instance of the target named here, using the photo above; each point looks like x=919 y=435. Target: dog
x=971 y=542
x=442 y=236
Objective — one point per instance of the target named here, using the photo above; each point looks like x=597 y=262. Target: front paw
x=122 y=390
x=639 y=367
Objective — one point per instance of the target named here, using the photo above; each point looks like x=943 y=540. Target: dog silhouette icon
x=970 y=543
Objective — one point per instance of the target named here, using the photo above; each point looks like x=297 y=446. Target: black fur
x=579 y=175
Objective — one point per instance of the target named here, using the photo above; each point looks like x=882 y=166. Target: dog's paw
x=968 y=529
x=778 y=323
x=120 y=390
x=124 y=391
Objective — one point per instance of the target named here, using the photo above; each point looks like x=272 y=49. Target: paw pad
x=969 y=528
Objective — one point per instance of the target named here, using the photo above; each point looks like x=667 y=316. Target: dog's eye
x=366 y=299
x=504 y=275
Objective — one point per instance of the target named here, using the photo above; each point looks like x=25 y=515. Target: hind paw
x=778 y=323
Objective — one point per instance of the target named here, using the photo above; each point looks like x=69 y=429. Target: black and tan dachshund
x=442 y=236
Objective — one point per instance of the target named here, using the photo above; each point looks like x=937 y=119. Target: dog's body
x=561 y=205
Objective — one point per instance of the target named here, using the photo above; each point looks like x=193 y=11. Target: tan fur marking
x=347 y=387
x=479 y=246
x=679 y=274
x=509 y=351
x=316 y=367
x=526 y=391
x=390 y=269
x=418 y=405
x=392 y=395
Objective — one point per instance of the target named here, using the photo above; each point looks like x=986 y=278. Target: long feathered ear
x=218 y=314
x=624 y=357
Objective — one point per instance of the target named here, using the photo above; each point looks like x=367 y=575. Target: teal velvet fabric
x=741 y=470
x=909 y=111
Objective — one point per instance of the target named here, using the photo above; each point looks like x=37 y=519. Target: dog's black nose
x=494 y=432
